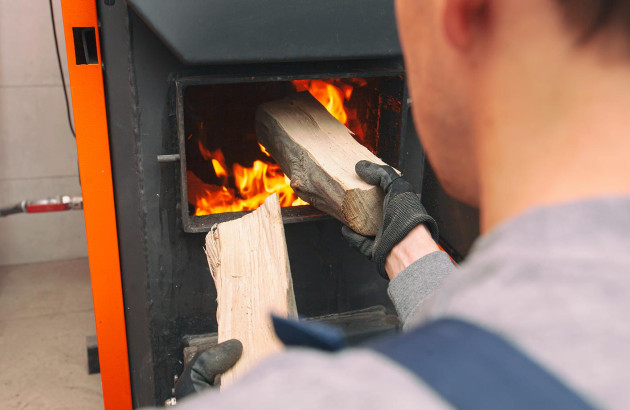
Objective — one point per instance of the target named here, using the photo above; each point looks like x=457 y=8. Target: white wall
x=37 y=151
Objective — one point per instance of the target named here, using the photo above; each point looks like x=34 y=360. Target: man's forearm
x=416 y=244
x=416 y=268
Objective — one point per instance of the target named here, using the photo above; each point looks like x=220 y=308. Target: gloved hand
x=402 y=211
x=206 y=366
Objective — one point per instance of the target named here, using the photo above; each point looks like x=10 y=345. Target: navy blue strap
x=308 y=334
x=472 y=368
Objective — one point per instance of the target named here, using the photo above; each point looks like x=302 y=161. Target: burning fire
x=245 y=188
x=253 y=185
x=329 y=95
x=334 y=94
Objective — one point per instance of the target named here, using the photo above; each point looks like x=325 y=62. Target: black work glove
x=402 y=211
x=202 y=370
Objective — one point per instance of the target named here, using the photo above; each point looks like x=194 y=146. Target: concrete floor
x=45 y=314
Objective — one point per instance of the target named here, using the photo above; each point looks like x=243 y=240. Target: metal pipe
x=168 y=158
x=52 y=204
x=15 y=209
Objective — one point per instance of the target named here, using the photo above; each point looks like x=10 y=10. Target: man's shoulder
x=563 y=303
x=549 y=264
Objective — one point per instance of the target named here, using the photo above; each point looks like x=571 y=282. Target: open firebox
x=169 y=90
x=226 y=172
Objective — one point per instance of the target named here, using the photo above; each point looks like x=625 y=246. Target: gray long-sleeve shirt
x=554 y=281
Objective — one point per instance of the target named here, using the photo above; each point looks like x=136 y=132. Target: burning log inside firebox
x=228 y=170
x=318 y=153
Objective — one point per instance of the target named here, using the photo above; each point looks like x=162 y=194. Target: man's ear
x=464 y=20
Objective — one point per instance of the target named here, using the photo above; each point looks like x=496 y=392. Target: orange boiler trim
x=90 y=120
x=449 y=256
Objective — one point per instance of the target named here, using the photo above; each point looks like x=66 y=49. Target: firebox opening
x=227 y=170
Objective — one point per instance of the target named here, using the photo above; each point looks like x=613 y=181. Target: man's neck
x=567 y=140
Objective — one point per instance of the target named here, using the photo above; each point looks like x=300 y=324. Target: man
x=524 y=111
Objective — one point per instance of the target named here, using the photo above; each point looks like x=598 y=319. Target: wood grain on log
x=250 y=267
x=318 y=154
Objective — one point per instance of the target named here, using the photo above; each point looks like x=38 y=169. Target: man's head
x=473 y=62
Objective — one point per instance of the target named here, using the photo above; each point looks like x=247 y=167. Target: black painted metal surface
x=94 y=366
x=115 y=37
x=245 y=31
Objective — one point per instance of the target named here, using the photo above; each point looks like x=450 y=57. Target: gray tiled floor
x=45 y=314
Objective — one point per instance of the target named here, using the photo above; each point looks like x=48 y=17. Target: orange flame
x=253 y=185
x=263 y=149
x=330 y=96
x=333 y=94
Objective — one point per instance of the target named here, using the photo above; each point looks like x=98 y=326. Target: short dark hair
x=592 y=16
